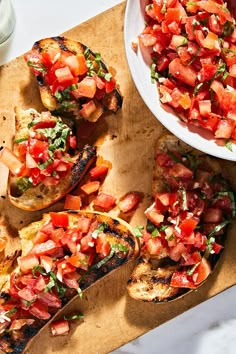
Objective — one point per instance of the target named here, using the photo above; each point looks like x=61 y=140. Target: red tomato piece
x=129 y=201
x=187 y=227
x=184 y=73
x=60 y=219
x=46 y=248
x=50 y=299
x=154 y=215
x=102 y=245
x=28 y=262
x=98 y=171
x=104 y=201
x=201 y=272
x=90 y=187
x=154 y=246
x=63 y=74
x=72 y=202
x=60 y=328
x=11 y=161
x=39 y=310
x=180 y=279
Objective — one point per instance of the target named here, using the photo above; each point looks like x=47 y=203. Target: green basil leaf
x=138 y=231
x=73 y=317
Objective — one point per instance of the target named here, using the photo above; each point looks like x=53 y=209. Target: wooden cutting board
x=111 y=318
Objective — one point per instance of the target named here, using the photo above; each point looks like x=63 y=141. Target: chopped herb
x=73 y=317
x=174 y=157
x=218 y=228
x=99 y=229
x=154 y=75
x=37 y=66
x=53 y=282
x=228 y=145
x=183 y=197
x=27 y=303
x=185 y=41
x=10 y=312
x=38 y=269
x=164 y=7
x=23 y=183
x=194 y=57
x=197 y=88
x=191 y=270
x=155 y=233
x=18 y=141
x=138 y=231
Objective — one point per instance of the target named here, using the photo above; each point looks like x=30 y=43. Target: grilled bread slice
x=175 y=259
x=34 y=135
x=73 y=79
x=103 y=244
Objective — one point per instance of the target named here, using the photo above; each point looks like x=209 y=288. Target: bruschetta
x=62 y=254
x=73 y=79
x=45 y=163
x=193 y=205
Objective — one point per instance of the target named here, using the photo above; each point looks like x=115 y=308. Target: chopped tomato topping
x=90 y=187
x=129 y=201
x=98 y=171
x=60 y=328
x=194 y=43
x=104 y=201
x=72 y=202
x=59 y=219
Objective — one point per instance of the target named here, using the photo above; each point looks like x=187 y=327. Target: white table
x=209 y=328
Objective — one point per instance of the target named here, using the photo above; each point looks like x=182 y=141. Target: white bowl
x=139 y=66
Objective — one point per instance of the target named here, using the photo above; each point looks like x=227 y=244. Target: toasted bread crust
x=117 y=231
x=41 y=196
x=112 y=101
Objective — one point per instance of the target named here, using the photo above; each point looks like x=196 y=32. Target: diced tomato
x=71 y=279
x=102 y=245
x=27 y=294
x=60 y=328
x=11 y=161
x=154 y=215
x=46 y=248
x=64 y=74
x=39 y=310
x=110 y=85
x=180 y=171
x=72 y=202
x=84 y=224
x=87 y=109
x=176 y=252
x=180 y=279
x=129 y=201
x=90 y=187
x=49 y=299
x=46 y=262
x=104 y=201
x=85 y=88
x=188 y=226
x=182 y=72
x=60 y=219
x=28 y=262
x=99 y=171
x=201 y=272
x=154 y=246
x=191 y=258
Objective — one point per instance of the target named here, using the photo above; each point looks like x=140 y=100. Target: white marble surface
x=209 y=328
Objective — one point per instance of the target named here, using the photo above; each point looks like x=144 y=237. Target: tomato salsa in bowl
x=182 y=58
